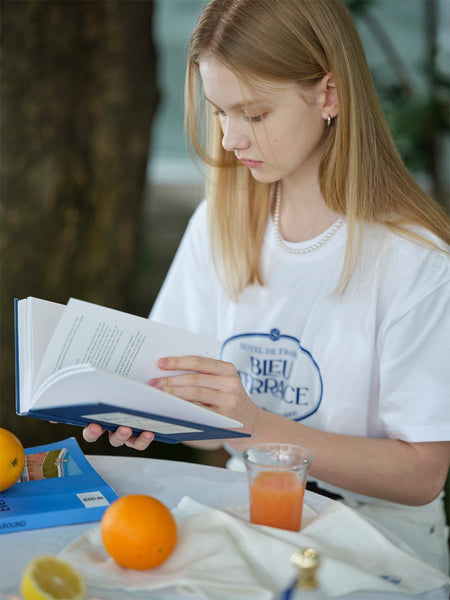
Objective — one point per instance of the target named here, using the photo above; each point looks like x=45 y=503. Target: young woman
x=319 y=263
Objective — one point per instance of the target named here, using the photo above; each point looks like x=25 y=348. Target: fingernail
x=154 y=382
x=162 y=363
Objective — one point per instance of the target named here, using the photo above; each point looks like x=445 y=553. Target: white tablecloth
x=169 y=481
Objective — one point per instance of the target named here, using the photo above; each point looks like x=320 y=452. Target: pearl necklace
x=280 y=241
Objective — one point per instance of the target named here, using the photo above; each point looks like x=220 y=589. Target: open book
x=58 y=486
x=83 y=363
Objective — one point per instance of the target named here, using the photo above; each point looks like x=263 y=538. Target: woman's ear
x=330 y=105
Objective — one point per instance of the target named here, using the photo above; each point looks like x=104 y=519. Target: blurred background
x=96 y=182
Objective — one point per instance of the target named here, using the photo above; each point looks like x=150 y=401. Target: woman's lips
x=251 y=164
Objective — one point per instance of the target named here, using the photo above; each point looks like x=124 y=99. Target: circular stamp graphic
x=277 y=372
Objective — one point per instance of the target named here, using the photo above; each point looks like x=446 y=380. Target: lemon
x=51 y=578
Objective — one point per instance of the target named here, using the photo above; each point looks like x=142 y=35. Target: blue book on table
x=82 y=363
x=58 y=487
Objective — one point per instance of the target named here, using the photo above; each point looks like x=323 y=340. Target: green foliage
x=358 y=7
x=414 y=121
x=418 y=118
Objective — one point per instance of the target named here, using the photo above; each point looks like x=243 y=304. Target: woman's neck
x=303 y=211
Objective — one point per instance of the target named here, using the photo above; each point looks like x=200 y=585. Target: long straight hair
x=361 y=174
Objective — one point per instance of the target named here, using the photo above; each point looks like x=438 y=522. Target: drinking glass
x=277 y=476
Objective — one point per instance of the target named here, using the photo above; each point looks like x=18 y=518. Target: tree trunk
x=78 y=94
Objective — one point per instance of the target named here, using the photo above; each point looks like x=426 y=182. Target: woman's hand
x=122 y=435
x=214 y=384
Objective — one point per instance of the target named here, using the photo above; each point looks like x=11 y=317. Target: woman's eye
x=255 y=118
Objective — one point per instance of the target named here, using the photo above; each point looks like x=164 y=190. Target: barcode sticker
x=93 y=499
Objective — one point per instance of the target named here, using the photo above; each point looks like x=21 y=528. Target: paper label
x=120 y=418
x=93 y=499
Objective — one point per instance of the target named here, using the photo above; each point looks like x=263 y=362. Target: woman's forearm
x=205 y=444
x=408 y=473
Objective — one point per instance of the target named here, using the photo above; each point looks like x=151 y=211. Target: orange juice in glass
x=277 y=477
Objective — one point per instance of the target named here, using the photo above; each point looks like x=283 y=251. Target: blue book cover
x=58 y=486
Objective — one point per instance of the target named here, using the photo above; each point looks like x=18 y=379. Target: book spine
x=16 y=353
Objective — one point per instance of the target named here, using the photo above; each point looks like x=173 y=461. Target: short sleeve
x=415 y=370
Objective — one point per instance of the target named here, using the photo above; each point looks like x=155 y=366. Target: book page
x=73 y=393
x=117 y=342
x=43 y=318
x=37 y=320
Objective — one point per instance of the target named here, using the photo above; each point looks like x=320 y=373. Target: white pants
x=422 y=528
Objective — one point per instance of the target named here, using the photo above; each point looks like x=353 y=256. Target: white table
x=169 y=481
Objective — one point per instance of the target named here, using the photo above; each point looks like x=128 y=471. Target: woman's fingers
x=200 y=395
x=122 y=435
x=92 y=432
x=199 y=380
x=141 y=442
x=204 y=374
x=197 y=363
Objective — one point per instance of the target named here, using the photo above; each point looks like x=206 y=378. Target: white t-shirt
x=372 y=363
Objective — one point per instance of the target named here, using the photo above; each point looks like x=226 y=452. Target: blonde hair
x=362 y=176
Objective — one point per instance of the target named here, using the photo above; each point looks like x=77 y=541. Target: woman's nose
x=234 y=138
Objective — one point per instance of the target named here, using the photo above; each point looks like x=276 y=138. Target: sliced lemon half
x=51 y=578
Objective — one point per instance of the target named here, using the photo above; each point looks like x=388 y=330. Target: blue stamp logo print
x=277 y=372
x=395 y=579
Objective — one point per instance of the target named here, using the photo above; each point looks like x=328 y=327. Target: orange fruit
x=138 y=532
x=12 y=459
